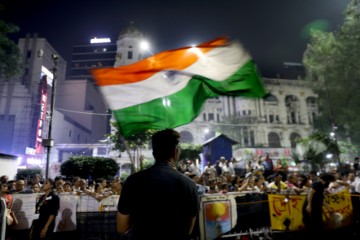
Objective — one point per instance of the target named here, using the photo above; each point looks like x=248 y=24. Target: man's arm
x=192 y=224
x=122 y=223
x=309 y=198
x=45 y=228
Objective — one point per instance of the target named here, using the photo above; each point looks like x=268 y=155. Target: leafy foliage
x=146 y=163
x=10 y=65
x=28 y=173
x=332 y=61
x=190 y=151
x=313 y=150
x=85 y=167
x=132 y=144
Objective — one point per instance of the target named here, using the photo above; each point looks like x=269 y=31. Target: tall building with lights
x=25 y=101
x=97 y=53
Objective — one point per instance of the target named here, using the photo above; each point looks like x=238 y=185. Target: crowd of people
x=260 y=176
x=98 y=189
x=48 y=204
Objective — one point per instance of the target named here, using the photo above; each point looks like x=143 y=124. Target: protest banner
x=66 y=218
x=217 y=214
x=286 y=211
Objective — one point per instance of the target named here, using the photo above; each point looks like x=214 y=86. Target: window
x=270 y=98
x=186 y=137
x=274 y=140
x=293 y=118
x=293 y=138
x=130 y=54
x=101 y=151
x=252 y=138
x=204 y=117
x=70 y=134
x=211 y=117
x=78 y=137
x=271 y=118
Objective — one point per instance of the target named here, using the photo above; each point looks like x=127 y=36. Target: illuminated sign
x=100 y=40
x=50 y=75
x=42 y=116
x=33 y=161
x=30 y=151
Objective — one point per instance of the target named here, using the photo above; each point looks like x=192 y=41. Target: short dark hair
x=164 y=143
x=51 y=181
x=327 y=177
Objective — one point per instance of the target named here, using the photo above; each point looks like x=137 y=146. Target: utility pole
x=49 y=142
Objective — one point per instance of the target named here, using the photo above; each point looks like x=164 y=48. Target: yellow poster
x=286 y=212
x=341 y=204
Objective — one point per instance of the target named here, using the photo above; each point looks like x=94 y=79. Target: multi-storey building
x=99 y=52
x=286 y=113
x=25 y=101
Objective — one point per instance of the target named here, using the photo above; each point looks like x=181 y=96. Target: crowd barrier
x=221 y=215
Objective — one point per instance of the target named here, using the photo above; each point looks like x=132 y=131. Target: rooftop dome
x=130 y=31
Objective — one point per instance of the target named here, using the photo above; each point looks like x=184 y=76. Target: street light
x=49 y=142
x=145 y=46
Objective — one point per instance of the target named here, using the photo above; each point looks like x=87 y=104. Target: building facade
x=98 y=53
x=286 y=113
x=25 y=101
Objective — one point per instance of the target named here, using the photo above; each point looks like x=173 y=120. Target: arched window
x=186 y=137
x=274 y=140
x=293 y=137
x=292 y=108
x=312 y=109
x=270 y=98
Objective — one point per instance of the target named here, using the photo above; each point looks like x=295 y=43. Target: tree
x=85 y=167
x=332 y=61
x=10 y=65
x=132 y=144
x=28 y=173
x=314 y=150
x=190 y=151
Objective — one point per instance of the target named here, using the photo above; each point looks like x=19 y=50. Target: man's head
x=4 y=179
x=76 y=182
x=277 y=177
x=36 y=178
x=20 y=185
x=351 y=177
x=327 y=178
x=165 y=145
x=116 y=186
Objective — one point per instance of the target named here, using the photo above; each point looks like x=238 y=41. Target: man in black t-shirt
x=159 y=203
x=312 y=210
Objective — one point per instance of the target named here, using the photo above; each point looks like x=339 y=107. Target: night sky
x=274 y=31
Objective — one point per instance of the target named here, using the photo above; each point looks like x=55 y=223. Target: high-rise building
x=25 y=101
x=98 y=53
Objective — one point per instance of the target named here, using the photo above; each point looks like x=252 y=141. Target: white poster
x=66 y=218
x=24 y=209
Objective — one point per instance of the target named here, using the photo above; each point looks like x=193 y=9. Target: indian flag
x=168 y=89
